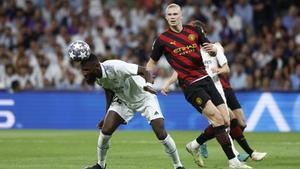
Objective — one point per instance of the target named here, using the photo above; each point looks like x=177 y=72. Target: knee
x=161 y=135
x=242 y=123
x=107 y=131
x=227 y=122
x=217 y=119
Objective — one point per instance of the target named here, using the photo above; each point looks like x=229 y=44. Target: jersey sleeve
x=220 y=54
x=124 y=69
x=201 y=36
x=157 y=50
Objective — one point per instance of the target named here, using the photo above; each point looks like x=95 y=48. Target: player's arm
x=149 y=80
x=156 y=53
x=145 y=73
x=221 y=70
x=203 y=40
x=171 y=80
x=151 y=65
x=222 y=61
x=109 y=98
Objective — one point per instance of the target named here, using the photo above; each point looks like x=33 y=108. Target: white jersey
x=130 y=97
x=121 y=78
x=211 y=62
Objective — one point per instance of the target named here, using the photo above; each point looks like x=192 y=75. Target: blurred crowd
x=261 y=39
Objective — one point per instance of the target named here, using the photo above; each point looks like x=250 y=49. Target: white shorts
x=220 y=90
x=149 y=108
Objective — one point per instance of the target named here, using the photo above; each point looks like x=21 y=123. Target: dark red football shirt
x=182 y=52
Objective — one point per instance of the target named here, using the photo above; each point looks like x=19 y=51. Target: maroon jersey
x=182 y=52
x=225 y=81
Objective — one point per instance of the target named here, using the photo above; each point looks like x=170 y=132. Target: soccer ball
x=79 y=51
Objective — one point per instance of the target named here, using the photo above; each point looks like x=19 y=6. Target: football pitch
x=75 y=149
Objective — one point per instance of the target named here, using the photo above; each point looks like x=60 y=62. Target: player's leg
x=167 y=141
x=117 y=114
x=207 y=135
x=236 y=108
x=151 y=110
x=240 y=116
x=198 y=97
x=218 y=124
x=215 y=95
x=235 y=130
x=111 y=122
x=203 y=147
x=238 y=125
x=214 y=108
x=237 y=134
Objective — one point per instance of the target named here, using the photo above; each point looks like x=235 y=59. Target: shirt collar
x=104 y=75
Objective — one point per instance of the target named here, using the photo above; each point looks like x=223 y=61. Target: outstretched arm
x=145 y=73
x=221 y=70
x=172 y=79
x=151 y=65
x=148 y=76
x=222 y=61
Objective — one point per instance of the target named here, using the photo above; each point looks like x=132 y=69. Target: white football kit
x=130 y=97
x=217 y=61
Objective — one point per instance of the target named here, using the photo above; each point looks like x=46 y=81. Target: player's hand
x=210 y=48
x=150 y=89
x=100 y=124
x=165 y=90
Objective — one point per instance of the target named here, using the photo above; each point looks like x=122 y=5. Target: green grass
x=63 y=149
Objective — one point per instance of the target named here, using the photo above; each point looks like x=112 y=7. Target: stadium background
x=41 y=89
x=261 y=41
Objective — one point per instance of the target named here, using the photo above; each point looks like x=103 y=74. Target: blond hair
x=172 y=5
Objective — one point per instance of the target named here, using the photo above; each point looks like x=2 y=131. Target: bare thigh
x=111 y=122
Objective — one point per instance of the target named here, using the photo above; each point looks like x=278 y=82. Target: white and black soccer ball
x=79 y=51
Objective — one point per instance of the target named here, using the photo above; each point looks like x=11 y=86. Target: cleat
x=96 y=166
x=238 y=165
x=196 y=154
x=257 y=156
x=243 y=157
x=180 y=167
x=204 y=151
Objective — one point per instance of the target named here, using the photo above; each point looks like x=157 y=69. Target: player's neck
x=177 y=28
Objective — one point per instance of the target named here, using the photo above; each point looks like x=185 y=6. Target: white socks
x=170 y=148
x=103 y=145
x=168 y=143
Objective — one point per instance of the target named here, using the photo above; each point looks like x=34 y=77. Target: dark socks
x=243 y=128
x=223 y=139
x=237 y=134
x=206 y=135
